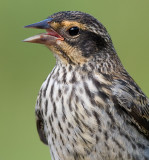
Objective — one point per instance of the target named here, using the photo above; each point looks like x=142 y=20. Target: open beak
x=48 y=38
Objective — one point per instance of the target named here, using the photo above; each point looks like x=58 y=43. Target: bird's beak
x=48 y=38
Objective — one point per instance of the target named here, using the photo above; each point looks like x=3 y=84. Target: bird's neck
x=104 y=63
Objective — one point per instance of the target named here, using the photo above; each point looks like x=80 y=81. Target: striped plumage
x=89 y=108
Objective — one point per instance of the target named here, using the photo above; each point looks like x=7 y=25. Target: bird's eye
x=73 y=31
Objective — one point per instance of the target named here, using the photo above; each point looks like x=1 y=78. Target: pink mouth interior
x=54 y=33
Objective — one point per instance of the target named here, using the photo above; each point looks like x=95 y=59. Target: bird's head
x=74 y=37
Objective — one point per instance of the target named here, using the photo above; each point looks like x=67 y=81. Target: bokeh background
x=24 y=66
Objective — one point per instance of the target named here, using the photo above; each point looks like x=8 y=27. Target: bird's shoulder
x=129 y=97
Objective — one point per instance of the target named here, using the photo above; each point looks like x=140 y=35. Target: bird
x=89 y=107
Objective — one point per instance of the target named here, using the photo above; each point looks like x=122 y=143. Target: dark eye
x=73 y=31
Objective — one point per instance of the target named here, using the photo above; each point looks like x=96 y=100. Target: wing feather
x=39 y=120
x=130 y=97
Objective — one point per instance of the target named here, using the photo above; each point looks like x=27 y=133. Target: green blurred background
x=24 y=66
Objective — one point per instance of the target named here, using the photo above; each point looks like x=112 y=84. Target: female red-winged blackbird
x=88 y=108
